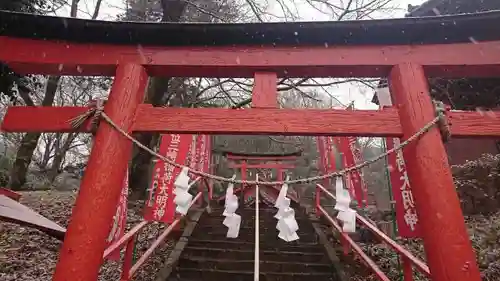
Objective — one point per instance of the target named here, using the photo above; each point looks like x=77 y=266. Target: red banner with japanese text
x=119 y=220
x=352 y=155
x=406 y=214
x=208 y=153
x=330 y=144
x=325 y=157
x=206 y=165
x=193 y=156
x=354 y=179
x=200 y=151
x=203 y=149
x=357 y=176
x=160 y=204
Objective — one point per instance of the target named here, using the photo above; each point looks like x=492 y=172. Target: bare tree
x=30 y=140
x=186 y=92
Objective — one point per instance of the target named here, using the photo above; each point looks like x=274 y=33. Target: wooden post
x=447 y=244
x=81 y=255
x=264 y=92
x=128 y=260
x=407 y=269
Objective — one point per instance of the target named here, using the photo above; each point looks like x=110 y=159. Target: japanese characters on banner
x=327 y=157
x=160 y=204
x=354 y=180
x=351 y=156
x=406 y=215
x=322 y=144
x=119 y=220
x=330 y=144
x=208 y=154
x=201 y=151
x=357 y=177
x=193 y=157
x=323 y=157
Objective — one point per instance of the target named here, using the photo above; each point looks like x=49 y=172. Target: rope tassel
x=96 y=109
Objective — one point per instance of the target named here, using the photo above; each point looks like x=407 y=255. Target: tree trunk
x=29 y=142
x=46 y=155
x=60 y=153
x=157 y=95
x=159 y=92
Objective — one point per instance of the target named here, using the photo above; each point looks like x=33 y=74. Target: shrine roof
x=424 y=30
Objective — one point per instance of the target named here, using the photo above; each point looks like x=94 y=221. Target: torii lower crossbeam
x=312 y=122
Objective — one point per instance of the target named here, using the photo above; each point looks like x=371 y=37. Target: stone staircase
x=206 y=254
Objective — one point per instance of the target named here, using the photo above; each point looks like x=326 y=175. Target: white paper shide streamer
x=346 y=214
x=232 y=220
x=182 y=198
x=287 y=225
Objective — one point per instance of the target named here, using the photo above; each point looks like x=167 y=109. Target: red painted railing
x=10 y=193
x=409 y=260
x=129 y=268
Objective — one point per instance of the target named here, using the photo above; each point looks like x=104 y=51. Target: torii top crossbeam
x=321 y=49
x=406 y=51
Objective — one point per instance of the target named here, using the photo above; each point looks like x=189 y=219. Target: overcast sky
x=110 y=8
x=345 y=93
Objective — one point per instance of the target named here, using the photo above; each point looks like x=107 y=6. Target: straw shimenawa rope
x=97 y=111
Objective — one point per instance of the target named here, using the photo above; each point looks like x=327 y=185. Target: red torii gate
x=80 y=47
x=266 y=161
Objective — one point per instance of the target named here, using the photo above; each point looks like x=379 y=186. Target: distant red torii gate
x=267 y=161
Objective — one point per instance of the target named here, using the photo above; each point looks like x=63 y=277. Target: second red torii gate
x=270 y=161
x=266 y=161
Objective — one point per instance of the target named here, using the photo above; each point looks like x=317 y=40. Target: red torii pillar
x=446 y=241
x=100 y=191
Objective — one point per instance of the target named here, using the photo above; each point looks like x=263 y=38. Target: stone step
x=295 y=246
x=248 y=265
x=248 y=235
x=262 y=213
x=304 y=226
x=250 y=230
x=265 y=255
x=262 y=219
x=235 y=275
x=249 y=225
